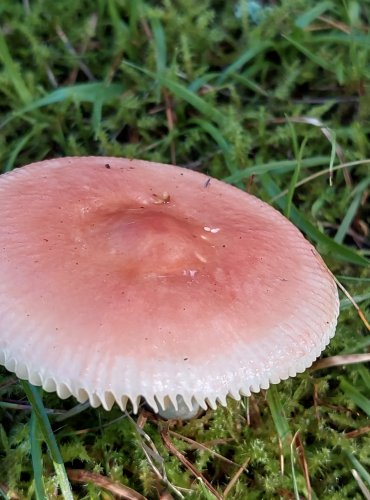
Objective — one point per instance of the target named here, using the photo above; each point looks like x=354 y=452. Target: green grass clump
x=270 y=96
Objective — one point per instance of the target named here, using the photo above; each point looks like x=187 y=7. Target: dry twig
x=340 y=360
x=349 y=297
x=202 y=446
x=172 y=449
x=235 y=478
x=155 y=460
x=303 y=463
x=118 y=490
x=357 y=432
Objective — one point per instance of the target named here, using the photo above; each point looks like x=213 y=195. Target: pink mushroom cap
x=123 y=279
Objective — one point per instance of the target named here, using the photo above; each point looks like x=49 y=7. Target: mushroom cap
x=124 y=278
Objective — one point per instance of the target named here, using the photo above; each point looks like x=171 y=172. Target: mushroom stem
x=183 y=412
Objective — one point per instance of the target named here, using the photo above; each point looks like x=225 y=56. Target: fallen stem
x=349 y=297
x=343 y=359
x=118 y=490
x=172 y=449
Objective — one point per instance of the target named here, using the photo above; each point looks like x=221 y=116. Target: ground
x=270 y=96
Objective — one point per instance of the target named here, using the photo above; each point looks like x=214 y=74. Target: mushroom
x=123 y=279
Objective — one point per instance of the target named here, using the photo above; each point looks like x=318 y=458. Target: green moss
x=232 y=76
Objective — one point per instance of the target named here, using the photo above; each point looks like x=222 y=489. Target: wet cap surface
x=124 y=278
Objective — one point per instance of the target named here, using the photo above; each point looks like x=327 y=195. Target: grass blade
x=36 y=454
x=160 y=45
x=343 y=38
x=13 y=72
x=292 y=465
x=359 y=468
x=76 y=410
x=344 y=303
x=332 y=157
x=328 y=245
x=307 y=17
x=220 y=140
x=317 y=60
x=352 y=211
x=278 y=416
x=280 y=167
x=356 y=396
x=96 y=117
x=83 y=92
x=298 y=154
x=34 y=397
x=361 y=484
x=160 y=50
x=353 y=278
x=9 y=164
x=247 y=56
x=364 y=373
x=348 y=218
x=182 y=92
x=329 y=171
